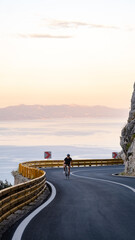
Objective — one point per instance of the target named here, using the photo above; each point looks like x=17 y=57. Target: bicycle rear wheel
x=66 y=172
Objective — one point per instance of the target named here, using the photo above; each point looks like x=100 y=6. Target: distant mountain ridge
x=33 y=112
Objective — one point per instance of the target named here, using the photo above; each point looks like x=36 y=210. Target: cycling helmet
x=68 y=155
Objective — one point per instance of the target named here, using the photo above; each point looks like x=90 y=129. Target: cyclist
x=67 y=161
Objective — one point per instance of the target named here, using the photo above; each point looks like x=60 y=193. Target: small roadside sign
x=115 y=155
x=47 y=155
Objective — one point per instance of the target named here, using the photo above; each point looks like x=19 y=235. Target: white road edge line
x=19 y=231
x=102 y=180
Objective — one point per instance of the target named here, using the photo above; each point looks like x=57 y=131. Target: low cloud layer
x=42 y=36
x=68 y=25
x=76 y=24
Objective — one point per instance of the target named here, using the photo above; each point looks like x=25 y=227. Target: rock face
x=18 y=178
x=127 y=140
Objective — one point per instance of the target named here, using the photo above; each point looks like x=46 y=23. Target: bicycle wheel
x=66 y=171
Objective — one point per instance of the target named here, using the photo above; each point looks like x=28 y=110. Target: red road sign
x=115 y=155
x=47 y=155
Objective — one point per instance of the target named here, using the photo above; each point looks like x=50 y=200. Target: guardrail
x=16 y=197
x=27 y=168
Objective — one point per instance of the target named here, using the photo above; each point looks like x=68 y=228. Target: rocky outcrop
x=18 y=178
x=127 y=140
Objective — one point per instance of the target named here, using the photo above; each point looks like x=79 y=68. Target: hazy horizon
x=83 y=138
x=33 y=112
x=72 y=105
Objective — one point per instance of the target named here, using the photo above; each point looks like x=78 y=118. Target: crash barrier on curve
x=24 y=168
x=16 y=197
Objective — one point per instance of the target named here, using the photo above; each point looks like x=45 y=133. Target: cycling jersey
x=68 y=160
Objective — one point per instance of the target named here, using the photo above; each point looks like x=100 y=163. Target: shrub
x=128 y=146
x=133 y=136
x=5 y=184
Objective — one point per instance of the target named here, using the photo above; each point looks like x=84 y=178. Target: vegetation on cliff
x=5 y=184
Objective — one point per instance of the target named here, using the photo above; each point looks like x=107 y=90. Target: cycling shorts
x=67 y=163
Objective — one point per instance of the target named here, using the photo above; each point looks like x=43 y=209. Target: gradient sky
x=67 y=52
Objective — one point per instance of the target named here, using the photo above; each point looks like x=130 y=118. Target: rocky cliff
x=127 y=140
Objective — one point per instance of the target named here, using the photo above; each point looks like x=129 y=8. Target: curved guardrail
x=16 y=197
x=27 y=168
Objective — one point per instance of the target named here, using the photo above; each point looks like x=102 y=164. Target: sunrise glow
x=67 y=52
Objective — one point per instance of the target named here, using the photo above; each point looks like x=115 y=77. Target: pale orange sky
x=69 y=52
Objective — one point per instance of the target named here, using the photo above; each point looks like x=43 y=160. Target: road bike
x=66 y=172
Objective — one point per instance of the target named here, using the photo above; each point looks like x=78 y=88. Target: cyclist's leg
x=64 y=165
x=69 y=169
x=66 y=170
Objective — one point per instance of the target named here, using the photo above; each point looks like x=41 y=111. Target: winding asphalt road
x=91 y=205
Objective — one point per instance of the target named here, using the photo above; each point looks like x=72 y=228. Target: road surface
x=91 y=205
